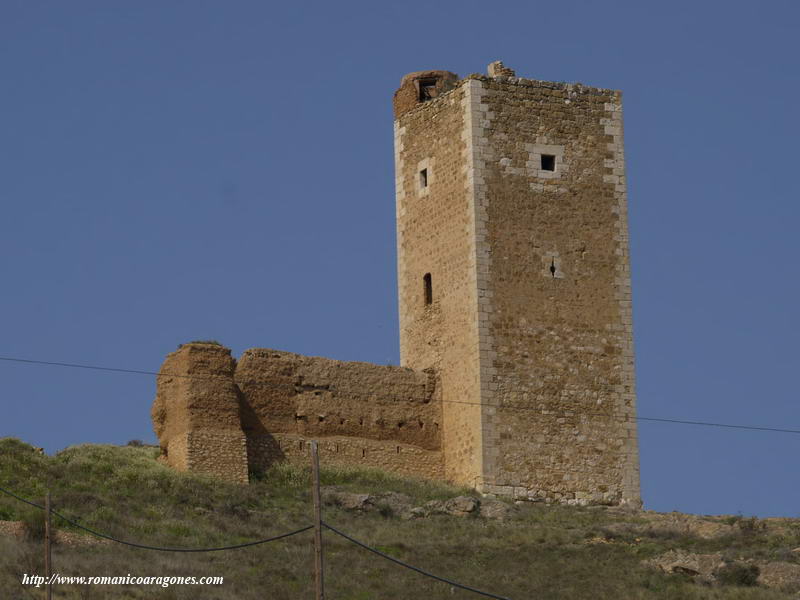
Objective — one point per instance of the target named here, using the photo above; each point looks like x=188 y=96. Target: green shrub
x=33 y=521
x=738 y=573
x=212 y=342
x=750 y=525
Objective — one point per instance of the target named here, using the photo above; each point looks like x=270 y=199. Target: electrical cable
x=371 y=396
x=638 y=418
x=412 y=567
x=157 y=548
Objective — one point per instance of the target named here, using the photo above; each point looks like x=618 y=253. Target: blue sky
x=179 y=170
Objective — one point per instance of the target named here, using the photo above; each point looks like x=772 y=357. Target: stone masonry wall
x=515 y=314
x=523 y=227
x=435 y=235
x=370 y=415
x=215 y=416
x=557 y=358
x=196 y=413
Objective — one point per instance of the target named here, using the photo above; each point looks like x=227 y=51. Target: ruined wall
x=419 y=86
x=435 y=235
x=215 y=416
x=364 y=414
x=196 y=413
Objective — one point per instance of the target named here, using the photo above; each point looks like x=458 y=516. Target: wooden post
x=48 y=565
x=318 y=567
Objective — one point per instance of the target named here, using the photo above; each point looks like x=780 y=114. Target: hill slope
x=533 y=551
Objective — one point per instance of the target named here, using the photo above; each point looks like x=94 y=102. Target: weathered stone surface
x=515 y=314
x=401 y=505
x=17 y=529
x=196 y=413
x=370 y=415
x=706 y=568
x=780 y=575
x=410 y=94
x=346 y=500
x=699 y=566
x=498 y=69
x=434 y=507
x=492 y=508
x=511 y=203
x=397 y=504
x=216 y=416
x=661 y=524
x=13 y=528
x=392 y=503
x=462 y=506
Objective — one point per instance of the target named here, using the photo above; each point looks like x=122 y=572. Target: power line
x=21 y=499
x=77 y=366
x=707 y=424
x=157 y=548
x=264 y=541
x=638 y=418
x=362 y=395
x=412 y=567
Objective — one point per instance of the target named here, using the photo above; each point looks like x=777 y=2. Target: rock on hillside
x=402 y=505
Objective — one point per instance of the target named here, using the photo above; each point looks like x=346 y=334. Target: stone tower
x=514 y=280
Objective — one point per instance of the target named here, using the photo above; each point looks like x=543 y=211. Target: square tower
x=514 y=280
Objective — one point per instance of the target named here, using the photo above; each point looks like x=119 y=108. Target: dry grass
x=542 y=552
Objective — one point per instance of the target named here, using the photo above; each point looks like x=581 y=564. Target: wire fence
x=258 y=542
x=148 y=547
x=412 y=567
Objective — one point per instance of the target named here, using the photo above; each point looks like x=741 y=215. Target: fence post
x=318 y=566
x=48 y=565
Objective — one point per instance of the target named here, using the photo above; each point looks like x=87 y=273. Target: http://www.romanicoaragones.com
x=160 y=581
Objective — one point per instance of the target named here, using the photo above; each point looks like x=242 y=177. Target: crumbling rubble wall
x=372 y=415
x=215 y=416
x=196 y=413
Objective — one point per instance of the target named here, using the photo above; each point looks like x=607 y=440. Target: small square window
x=423 y=178
x=548 y=162
x=427 y=89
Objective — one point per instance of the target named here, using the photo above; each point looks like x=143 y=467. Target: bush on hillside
x=738 y=573
x=33 y=521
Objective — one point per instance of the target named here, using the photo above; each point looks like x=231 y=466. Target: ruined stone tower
x=515 y=315
x=514 y=280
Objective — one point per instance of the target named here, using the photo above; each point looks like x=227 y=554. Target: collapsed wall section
x=216 y=417
x=196 y=413
x=363 y=414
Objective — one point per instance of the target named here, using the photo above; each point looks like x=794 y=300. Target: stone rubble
x=402 y=505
